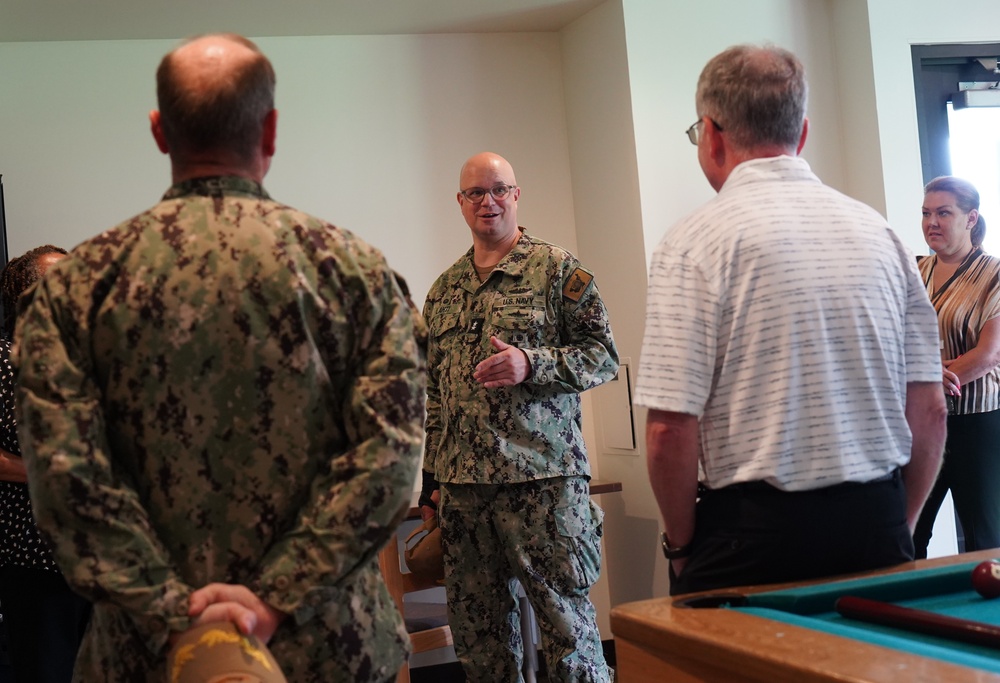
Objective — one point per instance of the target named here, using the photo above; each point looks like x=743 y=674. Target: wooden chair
x=399 y=584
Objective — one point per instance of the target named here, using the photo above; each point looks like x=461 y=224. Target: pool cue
x=918 y=620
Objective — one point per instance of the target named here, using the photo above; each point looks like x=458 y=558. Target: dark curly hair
x=17 y=276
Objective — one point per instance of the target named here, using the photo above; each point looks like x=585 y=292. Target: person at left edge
x=44 y=620
x=221 y=405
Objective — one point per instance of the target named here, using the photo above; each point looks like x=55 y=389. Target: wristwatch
x=670 y=553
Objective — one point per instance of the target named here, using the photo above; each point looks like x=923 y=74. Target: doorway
x=961 y=140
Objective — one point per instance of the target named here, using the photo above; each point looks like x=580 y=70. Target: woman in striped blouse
x=963 y=282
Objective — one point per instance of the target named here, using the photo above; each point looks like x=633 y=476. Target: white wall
x=372 y=131
x=75 y=150
x=664 y=74
x=609 y=233
x=863 y=177
x=892 y=33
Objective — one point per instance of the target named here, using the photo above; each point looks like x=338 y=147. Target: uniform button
x=281 y=582
x=182 y=608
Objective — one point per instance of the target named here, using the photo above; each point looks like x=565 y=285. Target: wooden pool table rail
x=657 y=642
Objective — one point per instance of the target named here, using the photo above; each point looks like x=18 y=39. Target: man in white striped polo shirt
x=790 y=361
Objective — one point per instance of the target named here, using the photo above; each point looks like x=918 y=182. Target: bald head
x=493 y=221
x=486 y=162
x=214 y=94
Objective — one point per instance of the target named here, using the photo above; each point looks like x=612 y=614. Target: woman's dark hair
x=17 y=276
x=966 y=198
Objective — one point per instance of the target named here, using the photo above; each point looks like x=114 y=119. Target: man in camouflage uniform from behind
x=221 y=403
x=517 y=331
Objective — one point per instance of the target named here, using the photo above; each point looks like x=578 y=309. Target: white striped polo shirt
x=789 y=318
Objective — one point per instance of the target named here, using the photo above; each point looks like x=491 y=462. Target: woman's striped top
x=964 y=304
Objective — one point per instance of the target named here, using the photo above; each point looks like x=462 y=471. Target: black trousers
x=45 y=623
x=756 y=534
x=971 y=469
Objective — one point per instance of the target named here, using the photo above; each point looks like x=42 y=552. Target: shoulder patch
x=577 y=284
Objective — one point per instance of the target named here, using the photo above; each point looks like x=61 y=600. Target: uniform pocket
x=580 y=528
x=521 y=327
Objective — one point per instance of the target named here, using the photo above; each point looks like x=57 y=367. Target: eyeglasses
x=694 y=132
x=476 y=195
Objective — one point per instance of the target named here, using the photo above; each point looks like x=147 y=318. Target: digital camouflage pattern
x=512 y=461
x=557 y=530
x=223 y=389
x=543 y=302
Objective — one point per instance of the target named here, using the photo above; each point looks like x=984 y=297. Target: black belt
x=764 y=487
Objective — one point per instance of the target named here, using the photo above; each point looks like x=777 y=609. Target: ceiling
x=44 y=20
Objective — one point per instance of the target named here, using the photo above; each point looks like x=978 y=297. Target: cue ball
x=986 y=578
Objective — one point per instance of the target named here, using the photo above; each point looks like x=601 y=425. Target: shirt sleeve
x=991 y=300
x=588 y=356
x=432 y=426
x=922 y=340
x=355 y=508
x=90 y=513
x=677 y=363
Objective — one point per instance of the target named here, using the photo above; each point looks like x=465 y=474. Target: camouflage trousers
x=545 y=534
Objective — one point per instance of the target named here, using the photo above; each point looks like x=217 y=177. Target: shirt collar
x=216 y=186
x=769 y=169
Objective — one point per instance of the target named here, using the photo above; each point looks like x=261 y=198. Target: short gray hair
x=756 y=94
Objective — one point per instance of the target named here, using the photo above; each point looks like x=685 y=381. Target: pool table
x=790 y=632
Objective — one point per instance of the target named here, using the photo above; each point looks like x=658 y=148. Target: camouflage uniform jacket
x=223 y=389
x=542 y=301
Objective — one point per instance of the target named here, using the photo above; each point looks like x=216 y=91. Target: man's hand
x=507 y=367
x=426 y=511
x=236 y=604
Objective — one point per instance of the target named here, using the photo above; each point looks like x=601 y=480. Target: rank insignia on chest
x=476 y=327
x=576 y=285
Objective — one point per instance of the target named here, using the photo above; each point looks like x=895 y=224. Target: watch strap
x=671 y=552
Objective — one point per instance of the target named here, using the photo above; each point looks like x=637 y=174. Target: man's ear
x=713 y=139
x=156 y=128
x=805 y=133
x=270 y=133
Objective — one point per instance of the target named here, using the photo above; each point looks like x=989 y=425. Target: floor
x=448 y=673
x=452 y=672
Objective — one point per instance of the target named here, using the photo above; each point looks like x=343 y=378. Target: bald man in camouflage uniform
x=517 y=331
x=221 y=403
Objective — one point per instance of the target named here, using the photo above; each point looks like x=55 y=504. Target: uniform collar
x=512 y=264
x=216 y=186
